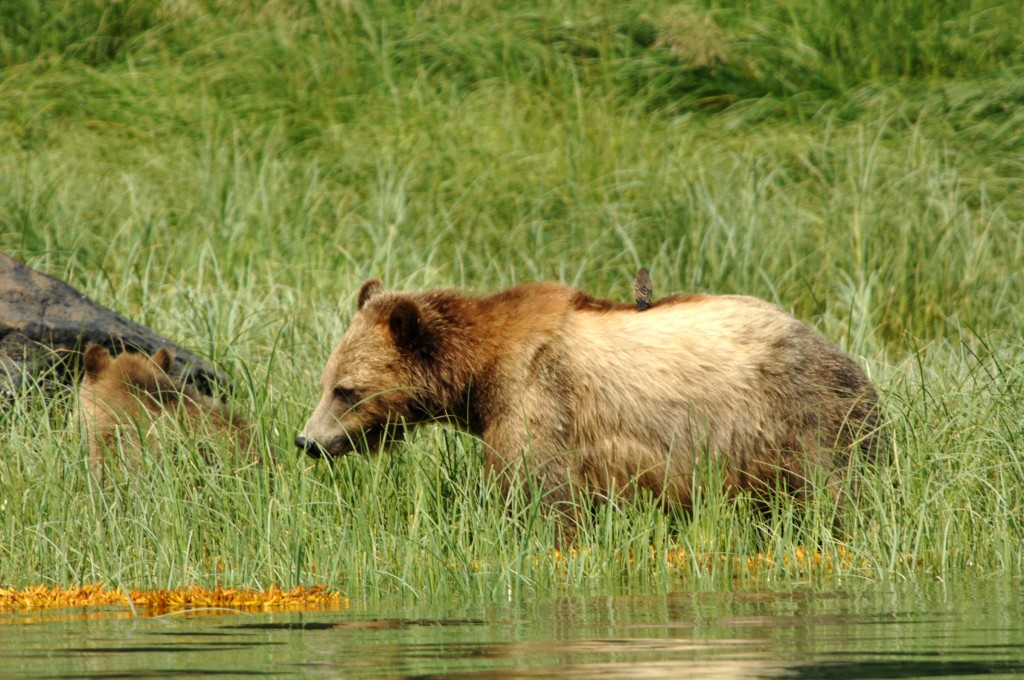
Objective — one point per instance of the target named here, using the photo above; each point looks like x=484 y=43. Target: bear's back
x=733 y=373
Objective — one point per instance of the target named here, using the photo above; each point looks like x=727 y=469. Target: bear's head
x=378 y=377
x=124 y=397
x=118 y=394
x=129 y=378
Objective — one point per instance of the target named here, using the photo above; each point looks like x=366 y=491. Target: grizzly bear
x=130 y=396
x=587 y=392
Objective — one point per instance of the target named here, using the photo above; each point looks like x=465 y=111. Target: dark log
x=45 y=324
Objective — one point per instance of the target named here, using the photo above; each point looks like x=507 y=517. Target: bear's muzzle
x=310 y=447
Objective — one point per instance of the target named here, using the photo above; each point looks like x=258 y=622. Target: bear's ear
x=368 y=290
x=96 y=359
x=406 y=323
x=163 y=358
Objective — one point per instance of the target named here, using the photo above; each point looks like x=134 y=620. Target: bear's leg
x=540 y=471
x=96 y=459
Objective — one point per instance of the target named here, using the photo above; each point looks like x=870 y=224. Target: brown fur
x=588 y=391
x=128 y=396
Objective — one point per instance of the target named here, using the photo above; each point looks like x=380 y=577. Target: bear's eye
x=346 y=394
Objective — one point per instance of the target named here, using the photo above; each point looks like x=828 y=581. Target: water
x=869 y=631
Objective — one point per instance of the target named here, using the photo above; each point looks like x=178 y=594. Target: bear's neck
x=446 y=373
x=489 y=339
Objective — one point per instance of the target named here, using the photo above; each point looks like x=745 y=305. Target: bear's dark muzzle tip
x=310 y=447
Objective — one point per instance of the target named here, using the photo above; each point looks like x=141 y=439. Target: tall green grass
x=228 y=173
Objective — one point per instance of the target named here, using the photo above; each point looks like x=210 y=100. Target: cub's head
x=377 y=376
x=129 y=376
x=116 y=393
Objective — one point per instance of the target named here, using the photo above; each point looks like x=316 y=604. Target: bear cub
x=131 y=397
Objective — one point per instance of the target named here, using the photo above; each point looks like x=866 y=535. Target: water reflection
x=879 y=632
x=363 y=624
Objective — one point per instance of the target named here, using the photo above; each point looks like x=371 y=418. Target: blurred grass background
x=228 y=172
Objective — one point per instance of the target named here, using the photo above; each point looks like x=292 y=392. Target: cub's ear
x=163 y=358
x=96 y=359
x=368 y=290
x=406 y=323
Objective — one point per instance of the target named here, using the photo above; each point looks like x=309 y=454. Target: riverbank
x=228 y=175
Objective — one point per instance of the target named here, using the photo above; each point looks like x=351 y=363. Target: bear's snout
x=310 y=447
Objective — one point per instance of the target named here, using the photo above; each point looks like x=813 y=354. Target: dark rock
x=45 y=324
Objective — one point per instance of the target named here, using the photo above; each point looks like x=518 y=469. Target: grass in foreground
x=428 y=521
x=228 y=175
x=196 y=599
